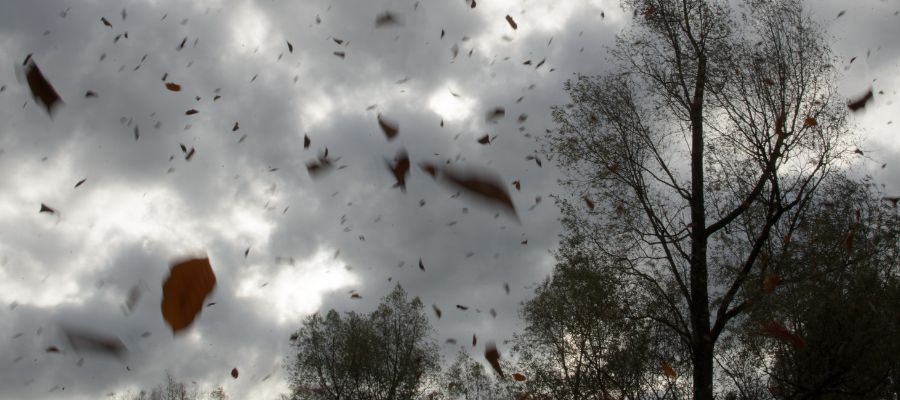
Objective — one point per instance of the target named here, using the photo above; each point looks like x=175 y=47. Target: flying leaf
x=519 y=377
x=95 y=343
x=462 y=307
x=400 y=169
x=512 y=23
x=474 y=340
x=355 y=296
x=506 y=287
x=484 y=139
x=772 y=281
x=306 y=141
x=191 y=112
x=389 y=127
x=775 y=330
x=90 y=93
x=41 y=90
x=234 y=373
x=495 y=114
x=105 y=22
x=173 y=86
x=188 y=284
x=340 y=54
x=517 y=185
x=79 y=183
x=235 y=127
x=668 y=370
x=386 y=19
x=483 y=184
x=588 y=202
x=52 y=349
x=810 y=121
x=437 y=311
x=421 y=265
x=493 y=357
x=46 y=209
x=290 y=47
x=860 y=103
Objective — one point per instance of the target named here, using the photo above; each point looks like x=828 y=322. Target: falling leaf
x=495 y=114
x=400 y=169
x=234 y=373
x=474 y=340
x=189 y=154
x=46 y=209
x=841 y=14
x=772 y=281
x=137 y=133
x=246 y=252
x=484 y=139
x=517 y=185
x=519 y=377
x=235 y=127
x=506 y=287
x=810 y=121
x=442 y=33
x=105 y=22
x=90 y=93
x=482 y=184
x=860 y=103
x=52 y=349
x=860 y=152
x=588 y=202
x=183 y=42
x=355 y=296
x=339 y=54
x=95 y=343
x=41 y=89
x=290 y=47
x=849 y=241
x=473 y=4
x=668 y=370
x=775 y=330
x=306 y=142
x=437 y=311
x=386 y=19
x=134 y=295
x=421 y=265
x=188 y=284
x=462 y=307
x=173 y=86
x=493 y=357
x=512 y=24
x=389 y=127
x=191 y=112
x=79 y=183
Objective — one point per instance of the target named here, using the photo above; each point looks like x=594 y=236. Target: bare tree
x=702 y=153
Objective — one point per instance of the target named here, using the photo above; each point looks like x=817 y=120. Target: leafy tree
x=699 y=156
x=388 y=354
x=838 y=291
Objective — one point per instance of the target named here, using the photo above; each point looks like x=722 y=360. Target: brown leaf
x=482 y=184
x=474 y=340
x=519 y=377
x=588 y=202
x=306 y=141
x=105 y=22
x=517 y=185
x=321 y=165
x=484 y=139
x=860 y=103
x=668 y=370
x=234 y=373
x=95 y=343
x=90 y=93
x=495 y=114
x=810 y=121
x=473 y=4
x=776 y=330
x=386 y=19
x=849 y=241
x=429 y=169
x=191 y=112
x=437 y=311
x=512 y=23
x=772 y=281
x=400 y=169
x=188 y=284
x=390 y=128
x=173 y=86
x=52 y=349
x=46 y=209
x=493 y=357
x=42 y=91
x=355 y=296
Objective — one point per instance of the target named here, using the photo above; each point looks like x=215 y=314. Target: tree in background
x=699 y=157
x=388 y=354
x=837 y=292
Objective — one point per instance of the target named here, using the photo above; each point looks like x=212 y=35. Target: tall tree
x=388 y=354
x=702 y=153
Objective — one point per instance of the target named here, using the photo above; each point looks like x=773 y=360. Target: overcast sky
x=311 y=241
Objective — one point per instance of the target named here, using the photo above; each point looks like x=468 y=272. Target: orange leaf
x=173 y=86
x=519 y=377
x=772 y=281
x=188 y=284
x=668 y=370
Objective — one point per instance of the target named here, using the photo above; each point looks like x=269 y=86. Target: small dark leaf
x=513 y=24
x=191 y=112
x=79 y=183
x=390 y=128
x=860 y=103
x=290 y=47
x=41 y=89
x=234 y=373
x=493 y=357
x=46 y=209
